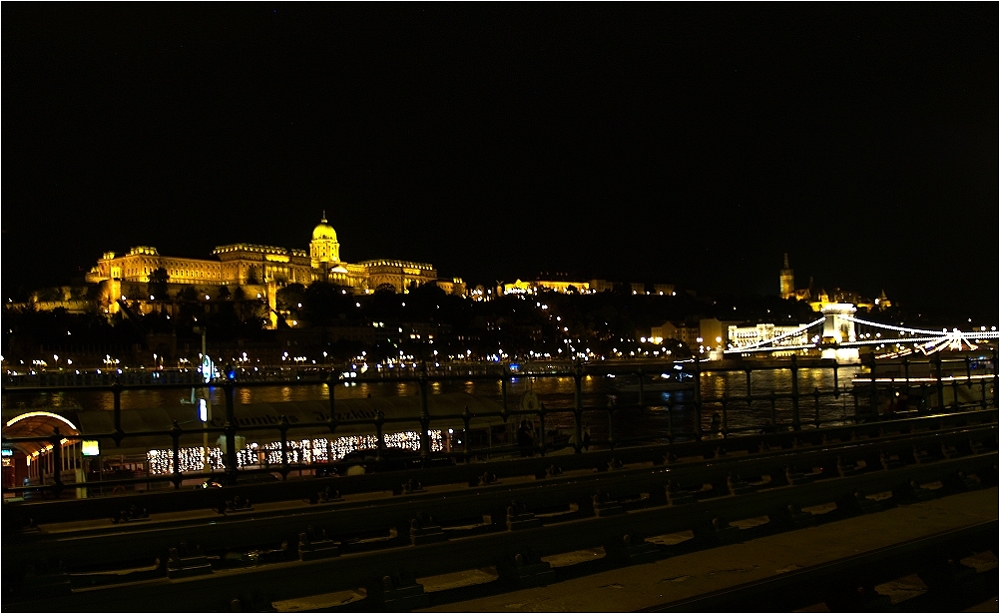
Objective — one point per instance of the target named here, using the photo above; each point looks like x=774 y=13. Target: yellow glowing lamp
x=90 y=447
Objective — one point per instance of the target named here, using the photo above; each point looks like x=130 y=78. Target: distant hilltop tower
x=787 y=281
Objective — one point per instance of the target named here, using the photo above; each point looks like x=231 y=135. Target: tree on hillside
x=290 y=297
x=188 y=293
x=323 y=303
x=157 y=285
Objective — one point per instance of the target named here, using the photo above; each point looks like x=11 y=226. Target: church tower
x=787 y=281
x=324 y=250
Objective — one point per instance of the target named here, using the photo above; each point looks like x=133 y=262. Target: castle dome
x=324 y=230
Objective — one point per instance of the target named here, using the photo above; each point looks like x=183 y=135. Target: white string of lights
x=914 y=340
x=303 y=451
x=953 y=341
x=924 y=331
x=898 y=329
x=782 y=348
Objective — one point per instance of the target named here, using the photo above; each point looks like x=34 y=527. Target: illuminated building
x=453 y=286
x=741 y=336
x=700 y=336
x=825 y=299
x=259 y=270
x=533 y=287
x=601 y=285
x=593 y=286
x=821 y=299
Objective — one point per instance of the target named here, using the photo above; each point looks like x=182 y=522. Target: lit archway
x=37 y=424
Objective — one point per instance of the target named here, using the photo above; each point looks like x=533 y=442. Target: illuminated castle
x=260 y=269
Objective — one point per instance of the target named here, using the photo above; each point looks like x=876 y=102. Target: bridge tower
x=839 y=328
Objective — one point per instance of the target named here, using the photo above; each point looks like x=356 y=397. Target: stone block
x=400 y=594
x=312 y=550
x=427 y=535
x=519 y=522
x=638 y=550
x=528 y=570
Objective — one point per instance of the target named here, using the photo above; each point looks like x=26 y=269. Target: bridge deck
x=669 y=580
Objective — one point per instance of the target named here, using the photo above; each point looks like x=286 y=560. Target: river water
x=664 y=413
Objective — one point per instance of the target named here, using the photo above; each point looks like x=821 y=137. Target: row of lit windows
x=398 y=263
x=747 y=338
x=251 y=247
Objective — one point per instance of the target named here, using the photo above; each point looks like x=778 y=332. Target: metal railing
x=460 y=547
x=688 y=408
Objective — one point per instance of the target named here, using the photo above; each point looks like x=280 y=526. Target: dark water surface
x=651 y=423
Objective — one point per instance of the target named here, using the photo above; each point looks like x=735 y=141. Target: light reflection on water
x=739 y=413
x=554 y=392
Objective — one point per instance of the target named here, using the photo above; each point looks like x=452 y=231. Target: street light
x=205 y=402
x=206 y=362
x=205 y=414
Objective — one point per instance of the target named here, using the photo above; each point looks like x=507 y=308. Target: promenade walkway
x=680 y=577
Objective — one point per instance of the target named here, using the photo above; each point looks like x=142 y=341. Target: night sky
x=692 y=144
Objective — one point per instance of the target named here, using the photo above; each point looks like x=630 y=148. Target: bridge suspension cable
x=897 y=341
x=937 y=334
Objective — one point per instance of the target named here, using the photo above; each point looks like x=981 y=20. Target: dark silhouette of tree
x=189 y=307
x=290 y=297
x=93 y=292
x=386 y=304
x=325 y=303
x=46 y=295
x=187 y=294
x=424 y=302
x=157 y=285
